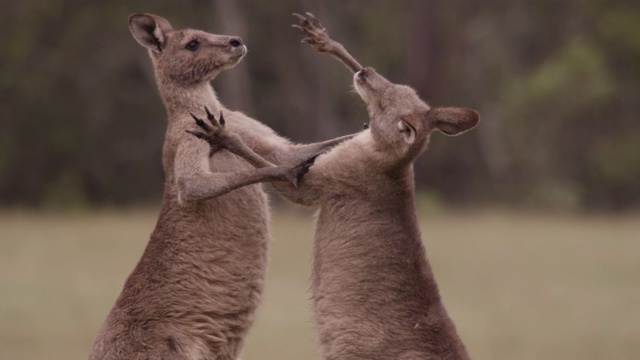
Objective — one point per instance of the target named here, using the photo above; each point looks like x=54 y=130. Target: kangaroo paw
x=315 y=34
x=201 y=124
x=298 y=171
x=214 y=133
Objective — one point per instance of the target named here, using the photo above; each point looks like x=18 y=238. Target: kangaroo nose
x=235 y=42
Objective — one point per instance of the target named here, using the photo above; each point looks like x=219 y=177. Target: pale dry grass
x=518 y=286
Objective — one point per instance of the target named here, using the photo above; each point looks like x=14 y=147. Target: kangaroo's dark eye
x=192 y=45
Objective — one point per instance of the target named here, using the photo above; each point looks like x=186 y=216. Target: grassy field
x=518 y=286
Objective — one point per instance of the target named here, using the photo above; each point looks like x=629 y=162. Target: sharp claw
x=199 y=135
x=308 y=41
x=200 y=123
x=313 y=19
x=295 y=183
x=209 y=116
x=295 y=26
x=303 y=20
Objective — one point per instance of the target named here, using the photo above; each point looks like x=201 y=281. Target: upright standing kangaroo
x=374 y=294
x=194 y=292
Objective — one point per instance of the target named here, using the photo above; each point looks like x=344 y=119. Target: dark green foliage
x=557 y=85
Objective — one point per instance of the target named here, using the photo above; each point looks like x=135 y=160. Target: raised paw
x=316 y=34
x=214 y=133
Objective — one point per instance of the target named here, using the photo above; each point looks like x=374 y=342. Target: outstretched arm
x=216 y=134
x=318 y=37
x=196 y=182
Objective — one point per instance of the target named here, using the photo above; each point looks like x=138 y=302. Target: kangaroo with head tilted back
x=194 y=292
x=374 y=294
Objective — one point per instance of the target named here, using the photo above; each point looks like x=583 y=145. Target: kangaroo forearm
x=212 y=185
x=299 y=152
x=240 y=148
x=339 y=52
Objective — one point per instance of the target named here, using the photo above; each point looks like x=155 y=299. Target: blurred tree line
x=557 y=84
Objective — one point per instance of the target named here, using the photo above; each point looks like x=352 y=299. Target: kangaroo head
x=185 y=56
x=400 y=121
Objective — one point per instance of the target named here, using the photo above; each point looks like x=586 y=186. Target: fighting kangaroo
x=374 y=294
x=194 y=292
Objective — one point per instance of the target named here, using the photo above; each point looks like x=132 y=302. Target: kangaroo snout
x=368 y=84
x=360 y=79
x=363 y=73
x=368 y=79
x=237 y=46
x=236 y=42
x=369 y=76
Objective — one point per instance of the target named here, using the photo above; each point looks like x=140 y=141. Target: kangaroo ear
x=453 y=121
x=408 y=132
x=408 y=125
x=150 y=30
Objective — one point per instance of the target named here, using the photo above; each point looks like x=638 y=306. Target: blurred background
x=557 y=85
x=531 y=219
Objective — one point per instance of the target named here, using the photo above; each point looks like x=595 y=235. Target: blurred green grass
x=519 y=286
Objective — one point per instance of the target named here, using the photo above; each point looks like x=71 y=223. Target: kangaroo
x=373 y=290
x=194 y=292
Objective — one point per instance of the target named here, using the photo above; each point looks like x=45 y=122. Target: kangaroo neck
x=184 y=99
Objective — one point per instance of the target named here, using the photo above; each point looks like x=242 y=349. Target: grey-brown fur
x=194 y=292
x=373 y=290
x=374 y=294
